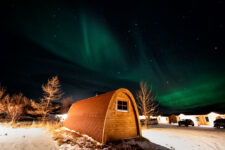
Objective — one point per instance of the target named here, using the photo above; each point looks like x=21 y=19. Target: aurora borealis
x=176 y=47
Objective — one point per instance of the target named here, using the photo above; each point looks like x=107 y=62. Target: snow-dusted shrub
x=14 y=111
x=14 y=106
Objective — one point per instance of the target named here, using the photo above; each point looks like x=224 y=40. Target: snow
x=25 y=139
x=186 y=138
x=70 y=140
x=168 y=136
x=83 y=135
x=40 y=139
x=62 y=117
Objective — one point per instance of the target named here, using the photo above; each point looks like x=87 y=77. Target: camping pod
x=173 y=118
x=107 y=117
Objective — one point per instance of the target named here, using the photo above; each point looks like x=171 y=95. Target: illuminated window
x=122 y=106
x=207 y=119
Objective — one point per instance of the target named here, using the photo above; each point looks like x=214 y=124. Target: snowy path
x=187 y=138
x=25 y=139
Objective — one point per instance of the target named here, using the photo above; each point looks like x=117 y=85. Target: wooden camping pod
x=107 y=117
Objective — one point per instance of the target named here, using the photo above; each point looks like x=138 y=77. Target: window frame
x=122 y=110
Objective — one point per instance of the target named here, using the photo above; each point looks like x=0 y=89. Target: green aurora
x=85 y=39
x=196 y=95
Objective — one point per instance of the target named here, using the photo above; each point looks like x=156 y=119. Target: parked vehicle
x=219 y=123
x=186 y=122
x=152 y=121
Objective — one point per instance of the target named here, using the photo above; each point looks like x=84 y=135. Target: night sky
x=94 y=47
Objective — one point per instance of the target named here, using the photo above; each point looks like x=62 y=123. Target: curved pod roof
x=96 y=116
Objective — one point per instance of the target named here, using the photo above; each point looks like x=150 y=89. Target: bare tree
x=146 y=101
x=14 y=111
x=14 y=106
x=36 y=108
x=51 y=93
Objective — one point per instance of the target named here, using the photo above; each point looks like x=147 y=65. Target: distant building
x=199 y=120
x=163 y=119
x=173 y=119
x=151 y=120
x=204 y=119
x=107 y=117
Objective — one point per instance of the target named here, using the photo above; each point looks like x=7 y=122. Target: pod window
x=122 y=106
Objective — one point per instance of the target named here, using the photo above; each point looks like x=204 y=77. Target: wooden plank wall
x=120 y=124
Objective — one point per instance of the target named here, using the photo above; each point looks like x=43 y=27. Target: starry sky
x=95 y=47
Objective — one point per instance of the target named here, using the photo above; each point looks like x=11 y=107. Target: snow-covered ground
x=169 y=136
x=25 y=139
x=39 y=139
x=186 y=138
x=60 y=139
